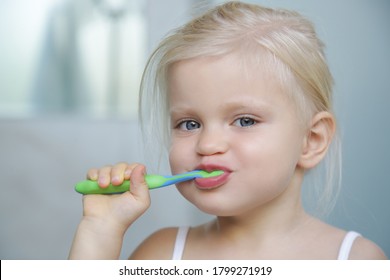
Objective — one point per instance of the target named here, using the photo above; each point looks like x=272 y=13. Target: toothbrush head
x=205 y=174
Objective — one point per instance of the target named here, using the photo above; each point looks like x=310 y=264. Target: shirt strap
x=180 y=243
x=346 y=245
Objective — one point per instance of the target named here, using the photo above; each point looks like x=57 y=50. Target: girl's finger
x=104 y=176
x=139 y=188
x=118 y=173
x=92 y=174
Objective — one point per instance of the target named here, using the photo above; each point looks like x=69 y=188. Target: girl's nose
x=212 y=142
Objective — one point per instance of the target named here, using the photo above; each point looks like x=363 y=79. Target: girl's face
x=236 y=119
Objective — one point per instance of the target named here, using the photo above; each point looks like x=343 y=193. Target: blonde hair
x=284 y=41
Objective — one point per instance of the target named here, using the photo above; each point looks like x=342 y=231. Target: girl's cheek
x=180 y=155
x=174 y=157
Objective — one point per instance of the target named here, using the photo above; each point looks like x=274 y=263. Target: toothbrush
x=153 y=181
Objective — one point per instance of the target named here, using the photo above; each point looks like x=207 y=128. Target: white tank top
x=182 y=232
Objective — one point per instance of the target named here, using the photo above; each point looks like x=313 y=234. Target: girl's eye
x=188 y=125
x=245 y=122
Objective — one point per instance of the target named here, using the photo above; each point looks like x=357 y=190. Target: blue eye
x=245 y=122
x=188 y=125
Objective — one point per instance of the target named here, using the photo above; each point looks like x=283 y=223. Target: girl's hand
x=118 y=211
x=107 y=217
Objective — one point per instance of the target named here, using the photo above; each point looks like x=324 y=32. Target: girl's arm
x=107 y=217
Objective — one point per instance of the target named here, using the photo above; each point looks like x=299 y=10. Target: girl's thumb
x=138 y=186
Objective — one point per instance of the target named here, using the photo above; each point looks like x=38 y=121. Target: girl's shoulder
x=157 y=246
x=365 y=249
x=360 y=248
x=329 y=240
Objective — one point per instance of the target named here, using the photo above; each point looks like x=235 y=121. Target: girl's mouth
x=212 y=182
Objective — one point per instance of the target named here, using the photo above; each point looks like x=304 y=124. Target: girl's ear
x=317 y=140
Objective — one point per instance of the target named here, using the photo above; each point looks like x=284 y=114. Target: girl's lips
x=212 y=182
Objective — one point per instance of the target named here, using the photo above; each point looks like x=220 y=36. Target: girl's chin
x=214 y=206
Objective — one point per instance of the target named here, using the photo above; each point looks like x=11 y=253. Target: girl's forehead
x=222 y=77
x=248 y=66
x=232 y=71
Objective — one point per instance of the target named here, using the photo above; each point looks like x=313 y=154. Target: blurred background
x=69 y=78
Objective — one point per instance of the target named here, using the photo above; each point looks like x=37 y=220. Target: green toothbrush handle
x=92 y=187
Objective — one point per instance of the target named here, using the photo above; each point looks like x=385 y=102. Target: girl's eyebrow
x=245 y=104
x=182 y=109
x=240 y=106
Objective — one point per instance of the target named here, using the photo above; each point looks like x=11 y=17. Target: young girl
x=243 y=89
